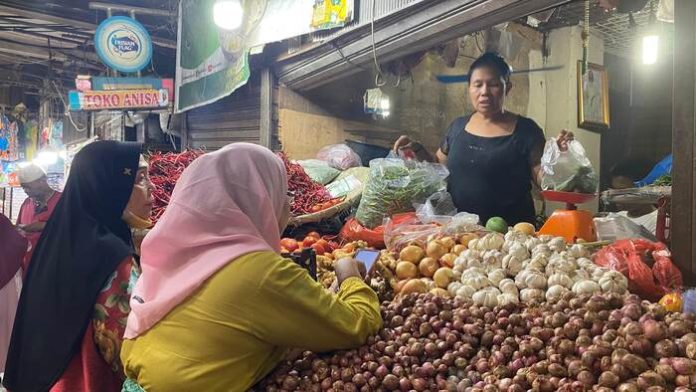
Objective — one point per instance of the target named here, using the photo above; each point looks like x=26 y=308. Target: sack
x=394 y=185
x=633 y=257
x=567 y=171
x=354 y=231
x=319 y=171
x=339 y=156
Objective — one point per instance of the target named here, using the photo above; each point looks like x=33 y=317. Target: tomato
x=318 y=249
x=283 y=251
x=324 y=244
x=308 y=241
x=315 y=208
x=289 y=244
x=333 y=245
x=314 y=234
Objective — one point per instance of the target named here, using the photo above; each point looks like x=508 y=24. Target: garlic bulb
x=535 y=280
x=558 y=244
x=586 y=287
x=491 y=241
x=453 y=288
x=496 y=275
x=584 y=262
x=487 y=297
x=477 y=282
x=545 y=238
x=556 y=292
x=465 y=292
x=542 y=249
x=538 y=262
x=512 y=265
x=513 y=236
x=519 y=251
x=561 y=262
x=613 y=282
x=493 y=259
x=470 y=254
x=579 y=250
x=532 y=295
x=473 y=273
x=508 y=299
x=531 y=243
x=597 y=274
x=580 y=275
x=507 y=286
x=560 y=279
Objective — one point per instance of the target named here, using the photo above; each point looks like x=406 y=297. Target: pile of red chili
x=305 y=192
x=165 y=170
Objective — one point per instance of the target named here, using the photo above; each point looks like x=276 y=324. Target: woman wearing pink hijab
x=216 y=307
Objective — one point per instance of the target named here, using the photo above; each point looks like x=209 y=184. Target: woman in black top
x=493 y=155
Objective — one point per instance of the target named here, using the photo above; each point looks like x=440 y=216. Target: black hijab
x=82 y=245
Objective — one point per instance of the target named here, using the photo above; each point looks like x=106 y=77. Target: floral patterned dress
x=97 y=366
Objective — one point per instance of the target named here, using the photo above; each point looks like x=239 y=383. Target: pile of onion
x=429 y=343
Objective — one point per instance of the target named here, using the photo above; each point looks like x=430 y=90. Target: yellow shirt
x=237 y=327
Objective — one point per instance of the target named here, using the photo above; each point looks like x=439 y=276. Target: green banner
x=211 y=62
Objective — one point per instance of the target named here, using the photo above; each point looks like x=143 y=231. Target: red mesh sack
x=641 y=280
x=668 y=276
x=354 y=231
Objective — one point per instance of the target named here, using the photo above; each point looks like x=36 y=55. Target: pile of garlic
x=498 y=270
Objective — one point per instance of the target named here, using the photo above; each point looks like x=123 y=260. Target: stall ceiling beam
x=39 y=53
x=95 y=5
x=90 y=27
x=423 y=27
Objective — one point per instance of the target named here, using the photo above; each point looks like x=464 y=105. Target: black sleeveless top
x=492 y=176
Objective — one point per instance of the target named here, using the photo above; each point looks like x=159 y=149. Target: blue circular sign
x=123 y=44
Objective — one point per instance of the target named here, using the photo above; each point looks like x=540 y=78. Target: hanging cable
x=379 y=78
x=586 y=36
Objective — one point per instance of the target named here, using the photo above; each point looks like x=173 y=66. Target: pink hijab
x=225 y=205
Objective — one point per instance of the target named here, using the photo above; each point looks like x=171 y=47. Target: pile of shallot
x=603 y=342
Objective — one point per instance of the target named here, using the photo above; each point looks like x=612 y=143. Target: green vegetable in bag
x=394 y=185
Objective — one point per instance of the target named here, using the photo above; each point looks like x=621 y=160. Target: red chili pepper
x=165 y=170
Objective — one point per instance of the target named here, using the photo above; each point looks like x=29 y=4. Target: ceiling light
x=228 y=14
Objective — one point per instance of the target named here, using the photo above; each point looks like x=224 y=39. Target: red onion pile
x=428 y=343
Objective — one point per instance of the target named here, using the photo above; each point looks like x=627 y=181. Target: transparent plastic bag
x=617 y=227
x=339 y=156
x=567 y=171
x=438 y=208
x=400 y=233
x=319 y=171
x=394 y=185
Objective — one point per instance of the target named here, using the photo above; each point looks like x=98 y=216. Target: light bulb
x=46 y=159
x=228 y=14
x=650 y=49
x=384 y=103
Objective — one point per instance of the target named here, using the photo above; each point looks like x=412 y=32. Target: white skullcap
x=30 y=173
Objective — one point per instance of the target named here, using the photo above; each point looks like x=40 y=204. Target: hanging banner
x=330 y=14
x=211 y=62
x=118 y=100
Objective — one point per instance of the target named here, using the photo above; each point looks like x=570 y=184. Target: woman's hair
x=494 y=62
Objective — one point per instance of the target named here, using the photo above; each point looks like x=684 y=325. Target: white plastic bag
x=567 y=171
x=615 y=227
x=339 y=156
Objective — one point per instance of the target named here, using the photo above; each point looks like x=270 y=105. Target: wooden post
x=683 y=223
x=266 y=108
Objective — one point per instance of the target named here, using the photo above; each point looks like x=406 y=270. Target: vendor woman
x=493 y=155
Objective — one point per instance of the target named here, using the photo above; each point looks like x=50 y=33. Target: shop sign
x=123 y=44
x=119 y=100
x=104 y=83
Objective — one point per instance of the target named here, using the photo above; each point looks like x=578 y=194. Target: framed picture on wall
x=593 y=98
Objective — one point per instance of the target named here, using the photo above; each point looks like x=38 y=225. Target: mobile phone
x=306 y=259
x=369 y=258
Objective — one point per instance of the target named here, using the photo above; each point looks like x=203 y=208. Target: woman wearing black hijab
x=74 y=303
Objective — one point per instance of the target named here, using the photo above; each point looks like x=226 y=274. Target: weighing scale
x=570 y=223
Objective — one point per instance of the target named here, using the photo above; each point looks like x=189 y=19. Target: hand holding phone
x=369 y=259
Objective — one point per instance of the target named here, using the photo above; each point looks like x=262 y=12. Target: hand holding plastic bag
x=567 y=171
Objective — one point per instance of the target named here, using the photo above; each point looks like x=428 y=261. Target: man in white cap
x=37 y=208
